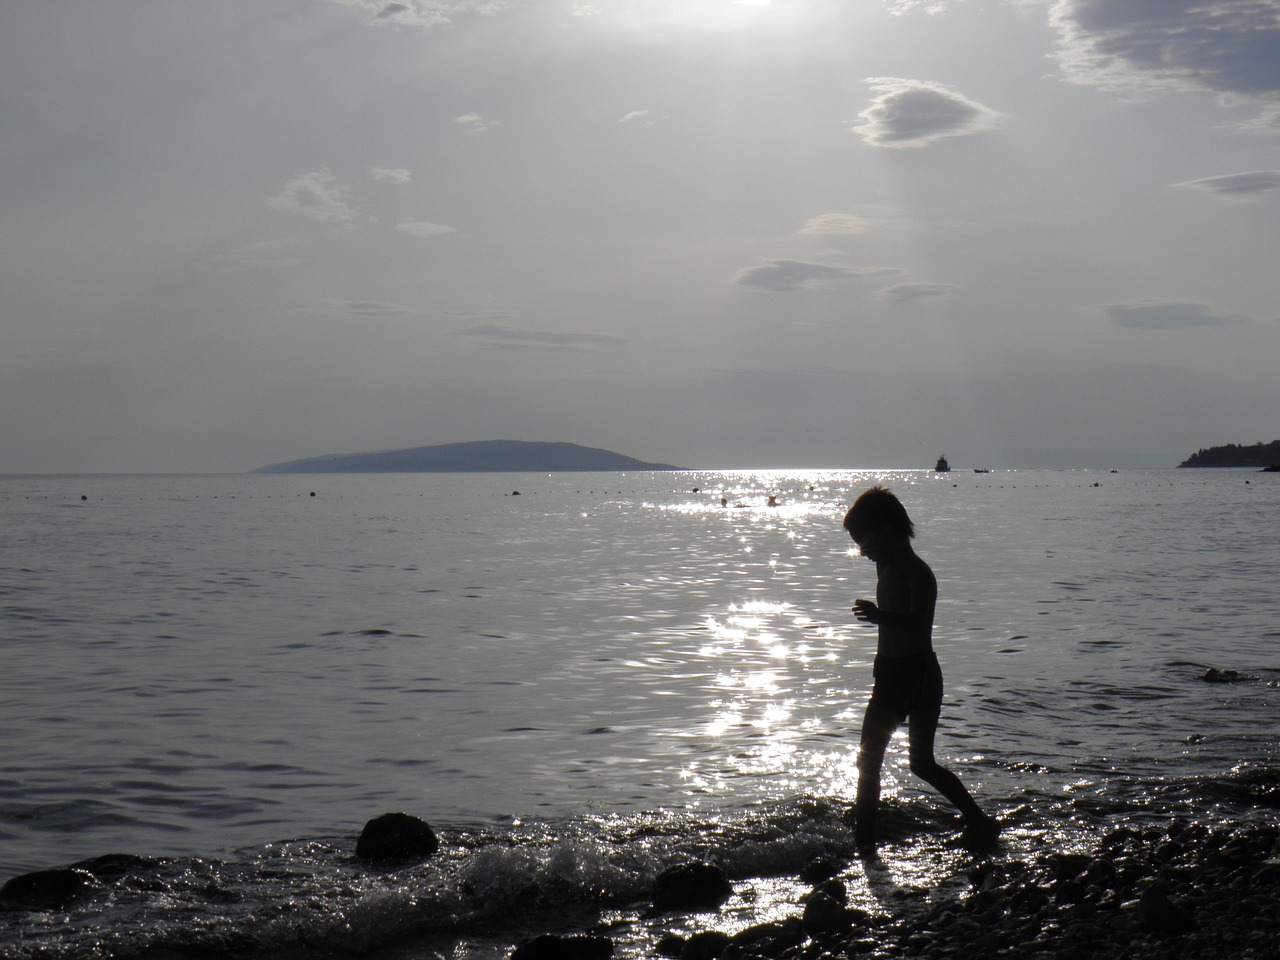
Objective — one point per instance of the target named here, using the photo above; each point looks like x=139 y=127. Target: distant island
x=1234 y=455
x=481 y=456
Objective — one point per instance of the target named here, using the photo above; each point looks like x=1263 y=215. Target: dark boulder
x=707 y=945
x=770 y=939
x=552 y=946
x=819 y=869
x=691 y=886
x=396 y=839
x=49 y=889
x=825 y=915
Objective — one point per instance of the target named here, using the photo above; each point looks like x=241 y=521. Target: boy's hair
x=878 y=507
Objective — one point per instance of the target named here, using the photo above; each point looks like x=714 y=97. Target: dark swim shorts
x=907 y=685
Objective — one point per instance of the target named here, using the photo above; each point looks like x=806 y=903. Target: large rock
x=825 y=915
x=770 y=939
x=705 y=945
x=396 y=839
x=49 y=889
x=692 y=886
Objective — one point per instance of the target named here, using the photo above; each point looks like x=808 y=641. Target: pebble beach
x=1185 y=891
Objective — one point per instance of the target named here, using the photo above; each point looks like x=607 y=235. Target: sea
x=581 y=679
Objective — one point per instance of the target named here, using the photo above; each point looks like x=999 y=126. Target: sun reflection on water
x=771 y=715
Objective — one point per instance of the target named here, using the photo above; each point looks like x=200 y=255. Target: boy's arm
x=918 y=616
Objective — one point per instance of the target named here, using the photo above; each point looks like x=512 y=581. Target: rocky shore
x=1185 y=889
x=1182 y=892
x=1185 y=892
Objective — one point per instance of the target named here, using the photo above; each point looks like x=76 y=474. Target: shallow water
x=581 y=683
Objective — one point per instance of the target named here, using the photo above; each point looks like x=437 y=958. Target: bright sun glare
x=700 y=14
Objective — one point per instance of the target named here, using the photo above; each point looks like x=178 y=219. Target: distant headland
x=481 y=456
x=1234 y=455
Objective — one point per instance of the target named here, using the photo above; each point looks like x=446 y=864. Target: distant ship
x=942 y=466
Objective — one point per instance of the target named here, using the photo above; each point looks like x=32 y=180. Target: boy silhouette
x=908 y=680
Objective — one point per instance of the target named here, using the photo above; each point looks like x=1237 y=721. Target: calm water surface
x=203 y=666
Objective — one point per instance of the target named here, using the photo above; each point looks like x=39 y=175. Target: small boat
x=941 y=466
x=981 y=470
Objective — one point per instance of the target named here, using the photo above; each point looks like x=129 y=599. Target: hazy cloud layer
x=1238 y=184
x=253 y=232
x=1164 y=315
x=916 y=113
x=786 y=275
x=518 y=338
x=1229 y=47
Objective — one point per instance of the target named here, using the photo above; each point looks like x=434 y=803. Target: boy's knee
x=923 y=767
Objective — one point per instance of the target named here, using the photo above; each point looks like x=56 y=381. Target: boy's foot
x=864 y=844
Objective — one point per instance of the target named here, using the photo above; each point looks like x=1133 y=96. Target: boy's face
x=870 y=543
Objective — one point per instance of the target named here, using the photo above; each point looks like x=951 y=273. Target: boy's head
x=877 y=510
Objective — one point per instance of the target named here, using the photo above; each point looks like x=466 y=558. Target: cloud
x=841 y=224
x=419 y=13
x=785 y=275
x=475 y=123
x=423 y=228
x=517 y=338
x=316 y=195
x=361 y=309
x=377 y=309
x=915 y=113
x=912 y=292
x=1156 y=314
x=897 y=8
x=1226 y=47
x=1238 y=184
x=396 y=175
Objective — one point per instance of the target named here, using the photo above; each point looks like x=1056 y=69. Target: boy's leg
x=878 y=725
x=923 y=726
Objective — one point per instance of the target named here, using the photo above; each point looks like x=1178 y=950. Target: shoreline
x=1188 y=891
x=1202 y=885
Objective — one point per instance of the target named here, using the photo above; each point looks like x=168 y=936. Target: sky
x=719 y=234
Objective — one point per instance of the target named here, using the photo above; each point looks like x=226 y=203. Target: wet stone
x=396 y=839
x=694 y=886
x=49 y=889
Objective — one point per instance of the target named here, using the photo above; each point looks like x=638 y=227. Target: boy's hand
x=866 y=610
